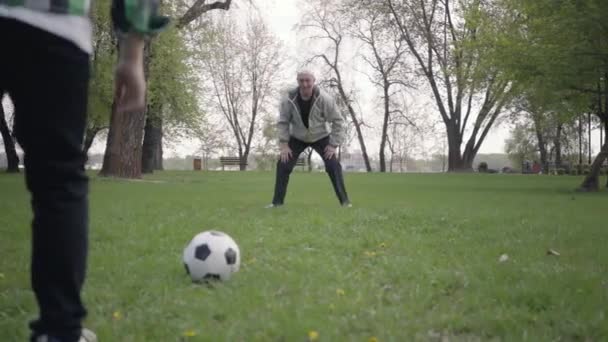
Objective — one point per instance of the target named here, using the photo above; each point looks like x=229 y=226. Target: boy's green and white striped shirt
x=69 y=19
x=128 y=15
x=73 y=7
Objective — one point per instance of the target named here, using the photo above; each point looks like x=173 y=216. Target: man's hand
x=129 y=81
x=285 y=152
x=329 y=152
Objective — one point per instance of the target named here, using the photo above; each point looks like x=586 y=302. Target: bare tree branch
x=200 y=7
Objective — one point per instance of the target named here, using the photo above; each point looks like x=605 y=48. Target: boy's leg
x=49 y=86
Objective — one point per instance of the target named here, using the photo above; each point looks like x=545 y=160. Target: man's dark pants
x=332 y=167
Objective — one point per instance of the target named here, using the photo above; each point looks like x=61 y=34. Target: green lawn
x=415 y=259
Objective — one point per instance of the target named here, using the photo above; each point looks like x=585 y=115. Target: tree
x=172 y=90
x=101 y=83
x=266 y=158
x=242 y=65
x=212 y=140
x=174 y=106
x=12 y=158
x=123 y=157
x=521 y=145
x=404 y=135
x=559 y=50
x=444 y=39
x=324 y=22
x=386 y=50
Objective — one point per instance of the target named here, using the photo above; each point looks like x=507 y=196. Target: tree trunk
x=243 y=165
x=89 y=138
x=542 y=147
x=592 y=181
x=368 y=165
x=123 y=148
x=589 y=137
x=455 y=160
x=122 y=157
x=357 y=124
x=384 y=130
x=558 y=146
x=467 y=160
x=12 y=159
x=309 y=159
x=152 y=149
x=580 y=144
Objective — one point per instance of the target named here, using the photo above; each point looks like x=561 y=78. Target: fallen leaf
x=503 y=258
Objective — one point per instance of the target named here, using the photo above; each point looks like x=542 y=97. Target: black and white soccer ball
x=211 y=255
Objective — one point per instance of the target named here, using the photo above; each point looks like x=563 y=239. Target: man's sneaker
x=86 y=335
x=347 y=205
x=272 y=205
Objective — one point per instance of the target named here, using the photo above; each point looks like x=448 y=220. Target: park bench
x=236 y=161
x=231 y=161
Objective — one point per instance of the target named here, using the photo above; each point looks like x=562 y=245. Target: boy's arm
x=133 y=20
x=137 y=16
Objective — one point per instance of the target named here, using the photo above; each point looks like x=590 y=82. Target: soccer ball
x=211 y=255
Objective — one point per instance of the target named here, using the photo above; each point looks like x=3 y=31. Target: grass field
x=415 y=259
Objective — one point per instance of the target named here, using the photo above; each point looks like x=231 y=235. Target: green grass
x=415 y=259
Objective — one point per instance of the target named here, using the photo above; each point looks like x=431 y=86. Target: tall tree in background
x=326 y=23
x=174 y=107
x=443 y=39
x=386 y=60
x=243 y=65
x=559 y=51
x=123 y=156
x=102 y=67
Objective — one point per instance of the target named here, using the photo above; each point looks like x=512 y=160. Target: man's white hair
x=302 y=72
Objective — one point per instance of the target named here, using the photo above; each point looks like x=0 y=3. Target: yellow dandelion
x=370 y=253
x=313 y=336
x=383 y=245
x=189 y=333
x=116 y=315
x=340 y=292
x=373 y=339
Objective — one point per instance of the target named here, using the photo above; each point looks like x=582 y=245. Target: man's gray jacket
x=324 y=119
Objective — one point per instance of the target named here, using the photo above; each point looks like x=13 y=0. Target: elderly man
x=306 y=114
